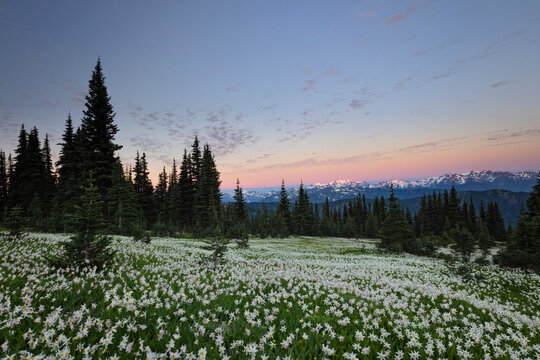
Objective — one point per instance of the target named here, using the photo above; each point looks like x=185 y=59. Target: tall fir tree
x=174 y=196
x=69 y=171
x=208 y=196
x=454 y=211
x=160 y=197
x=16 y=192
x=196 y=160
x=523 y=250
x=144 y=190
x=240 y=217
x=395 y=231
x=3 y=185
x=124 y=206
x=303 y=213
x=98 y=132
x=187 y=193
x=284 y=207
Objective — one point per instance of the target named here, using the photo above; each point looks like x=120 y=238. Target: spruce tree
x=144 y=190
x=186 y=192
x=124 y=207
x=217 y=244
x=485 y=241
x=464 y=242
x=88 y=247
x=48 y=184
x=284 y=207
x=3 y=185
x=240 y=217
x=15 y=223
x=98 y=133
x=174 y=204
x=69 y=171
x=523 y=250
x=454 y=211
x=303 y=213
x=18 y=166
x=208 y=196
x=396 y=232
x=160 y=197
x=196 y=161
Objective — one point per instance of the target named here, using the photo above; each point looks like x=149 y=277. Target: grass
x=300 y=298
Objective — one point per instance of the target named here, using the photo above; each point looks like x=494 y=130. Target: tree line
x=43 y=195
x=442 y=220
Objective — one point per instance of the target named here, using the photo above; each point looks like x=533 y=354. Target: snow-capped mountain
x=473 y=180
x=346 y=188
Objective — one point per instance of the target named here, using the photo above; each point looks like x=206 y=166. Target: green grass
x=299 y=297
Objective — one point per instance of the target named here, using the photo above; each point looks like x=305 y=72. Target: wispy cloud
x=310 y=84
x=482 y=54
x=49 y=104
x=400 y=84
x=357 y=104
x=440 y=46
x=451 y=71
x=514 y=134
x=268 y=107
x=259 y=158
x=172 y=122
x=226 y=139
x=145 y=143
x=402 y=15
x=498 y=84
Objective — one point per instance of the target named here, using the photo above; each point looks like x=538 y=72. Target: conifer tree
x=495 y=222
x=48 y=182
x=3 y=185
x=240 y=217
x=208 y=196
x=464 y=242
x=125 y=203
x=98 y=133
x=472 y=222
x=196 y=161
x=17 y=170
x=485 y=241
x=88 y=247
x=15 y=222
x=395 y=232
x=69 y=171
x=174 y=204
x=454 y=209
x=144 y=189
x=523 y=250
x=217 y=244
x=160 y=197
x=284 y=207
x=187 y=192
x=303 y=213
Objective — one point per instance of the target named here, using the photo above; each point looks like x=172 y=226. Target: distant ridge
x=522 y=181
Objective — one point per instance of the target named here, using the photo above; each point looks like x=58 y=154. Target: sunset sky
x=299 y=90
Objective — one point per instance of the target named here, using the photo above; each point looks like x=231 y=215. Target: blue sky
x=311 y=90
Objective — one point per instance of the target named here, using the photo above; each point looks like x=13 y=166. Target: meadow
x=296 y=298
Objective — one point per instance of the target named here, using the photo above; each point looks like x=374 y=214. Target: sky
x=306 y=91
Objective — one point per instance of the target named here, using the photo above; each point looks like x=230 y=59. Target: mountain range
x=345 y=189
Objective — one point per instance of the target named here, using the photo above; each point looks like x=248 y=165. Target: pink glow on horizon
x=408 y=166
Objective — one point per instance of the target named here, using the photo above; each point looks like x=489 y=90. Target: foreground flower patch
x=287 y=299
